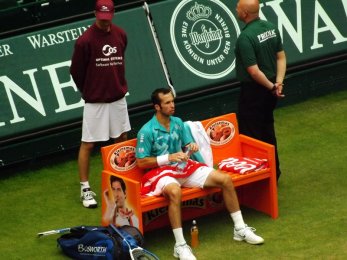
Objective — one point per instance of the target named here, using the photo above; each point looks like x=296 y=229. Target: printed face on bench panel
x=118 y=194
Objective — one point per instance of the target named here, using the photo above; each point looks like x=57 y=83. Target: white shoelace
x=88 y=195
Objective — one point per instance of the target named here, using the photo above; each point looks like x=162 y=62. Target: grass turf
x=312 y=139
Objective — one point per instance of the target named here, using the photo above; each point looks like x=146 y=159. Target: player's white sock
x=238 y=219
x=84 y=185
x=178 y=233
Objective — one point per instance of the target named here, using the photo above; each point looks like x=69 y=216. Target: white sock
x=238 y=220
x=84 y=185
x=178 y=233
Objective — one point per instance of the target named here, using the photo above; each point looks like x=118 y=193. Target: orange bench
x=256 y=190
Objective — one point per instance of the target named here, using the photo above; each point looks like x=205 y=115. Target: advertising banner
x=192 y=40
x=36 y=89
x=198 y=36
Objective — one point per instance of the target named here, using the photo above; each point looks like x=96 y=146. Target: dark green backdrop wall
x=41 y=107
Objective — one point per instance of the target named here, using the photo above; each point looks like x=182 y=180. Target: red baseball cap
x=104 y=9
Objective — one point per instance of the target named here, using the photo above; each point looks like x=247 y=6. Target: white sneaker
x=184 y=252
x=87 y=198
x=247 y=234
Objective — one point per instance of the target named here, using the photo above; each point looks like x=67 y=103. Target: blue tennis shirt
x=154 y=140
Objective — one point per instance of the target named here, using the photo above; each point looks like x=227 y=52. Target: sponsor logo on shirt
x=107 y=50
x=109 y=58
x=266 y=35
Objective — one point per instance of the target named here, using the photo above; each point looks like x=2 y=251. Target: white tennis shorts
x=102 y=121
x=197 y=179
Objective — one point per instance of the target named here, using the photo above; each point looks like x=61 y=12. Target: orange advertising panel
x=223 y=134
x=120 y=190
x=120 y=158
x=190 y=209
x=120 y=203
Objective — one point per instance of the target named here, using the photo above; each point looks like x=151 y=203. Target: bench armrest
x=251 y=147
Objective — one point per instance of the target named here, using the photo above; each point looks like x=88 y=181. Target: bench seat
x=257 y=190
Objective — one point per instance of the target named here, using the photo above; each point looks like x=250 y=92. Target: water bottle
x=194 y=232
x=181 y=165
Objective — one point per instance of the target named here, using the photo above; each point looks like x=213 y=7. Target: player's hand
x=109 y=202
x=279 y=90
x=126 y=212
x=178 y=157
x=193 y=148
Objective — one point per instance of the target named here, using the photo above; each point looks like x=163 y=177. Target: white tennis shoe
x=184 y=252
x=247 y=234
x=87 y=198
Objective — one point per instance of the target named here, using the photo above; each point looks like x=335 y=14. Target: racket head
x=139 y=253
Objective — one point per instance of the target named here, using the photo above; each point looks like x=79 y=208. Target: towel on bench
x=242 y=165
x=198 y=134
x=150 y=179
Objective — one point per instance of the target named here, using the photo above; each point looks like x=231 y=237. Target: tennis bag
x=95 y=242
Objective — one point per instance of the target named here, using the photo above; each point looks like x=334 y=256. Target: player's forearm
x=147 y=162
x=259 y=77
x=109 y=214
x=281 y=67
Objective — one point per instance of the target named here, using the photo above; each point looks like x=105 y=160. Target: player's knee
x=226 y=180
x=173 y=192
x=87 y=146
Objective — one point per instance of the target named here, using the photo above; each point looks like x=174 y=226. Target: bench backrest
x=222 y=130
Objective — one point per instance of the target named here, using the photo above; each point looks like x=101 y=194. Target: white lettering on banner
x=36 y=102
x=5 y=50
x=224 y=26
x=58 y=87
x=296 y=34
x=344 y=3
x=10 y=87
x=206 y=36
x=184 y=29
x=215 y=61
x=283 y=22
x=41 y=41
x=330 y=26
x=192 y=53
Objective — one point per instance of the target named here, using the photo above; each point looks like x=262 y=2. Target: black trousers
x=255 y=115
x=263 y=130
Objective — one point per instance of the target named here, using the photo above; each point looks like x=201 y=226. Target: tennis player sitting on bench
x=159 y=148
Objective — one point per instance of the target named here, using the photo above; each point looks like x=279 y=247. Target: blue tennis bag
x=95 y=242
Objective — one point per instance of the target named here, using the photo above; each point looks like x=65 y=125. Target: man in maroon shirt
x=98 y=69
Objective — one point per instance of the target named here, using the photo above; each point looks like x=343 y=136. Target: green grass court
x=312 y=223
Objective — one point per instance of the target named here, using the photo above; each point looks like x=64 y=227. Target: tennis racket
x=54 y=231
x=136 y=253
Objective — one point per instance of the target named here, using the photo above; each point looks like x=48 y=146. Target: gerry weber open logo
x=203 y=34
